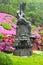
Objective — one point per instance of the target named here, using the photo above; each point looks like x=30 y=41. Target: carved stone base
x=23 y=52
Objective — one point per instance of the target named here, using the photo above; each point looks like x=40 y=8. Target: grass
x=32 y=60
x=35 y=59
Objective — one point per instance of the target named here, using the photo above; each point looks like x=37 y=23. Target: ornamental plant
x=6 y=25
x=13 y=20
x=6 y=44
x=41 y=32
x=33 y=27
x=1 y=36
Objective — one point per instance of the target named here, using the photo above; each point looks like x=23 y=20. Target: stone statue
x=23 y=32
x=21 y=16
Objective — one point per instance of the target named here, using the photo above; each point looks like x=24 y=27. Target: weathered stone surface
x=23 y=52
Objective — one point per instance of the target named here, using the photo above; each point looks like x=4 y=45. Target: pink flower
x=37 y=35
x=39 y=28
x=7 y=18
x=12 y=48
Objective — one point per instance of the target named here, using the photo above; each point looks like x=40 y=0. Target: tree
x=0 y=1
x=5 y=1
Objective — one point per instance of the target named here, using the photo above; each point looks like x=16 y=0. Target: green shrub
x=1 y=36
x=7 y=26
x=41 y=32
x=4 y=59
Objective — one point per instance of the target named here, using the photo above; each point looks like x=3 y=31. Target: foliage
x=7 y=8
x=33 y=27
x=4 y=1
x=13 y=20
x=6 y=25
x=41 y=32
x=1 y=36
x=5 y=60
x=34 y=9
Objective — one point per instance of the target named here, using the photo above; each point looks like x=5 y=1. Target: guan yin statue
x=23 y=33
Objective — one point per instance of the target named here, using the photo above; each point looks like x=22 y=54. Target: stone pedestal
x=23 y=52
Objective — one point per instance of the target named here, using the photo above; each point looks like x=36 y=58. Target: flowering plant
x=5 y=40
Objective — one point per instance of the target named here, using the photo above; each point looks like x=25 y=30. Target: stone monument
x=23 y=33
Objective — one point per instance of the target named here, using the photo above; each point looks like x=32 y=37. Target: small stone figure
x=23 y=32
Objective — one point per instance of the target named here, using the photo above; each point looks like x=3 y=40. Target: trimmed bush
x=1 y=36
x=7 y=26
x=4 y=59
